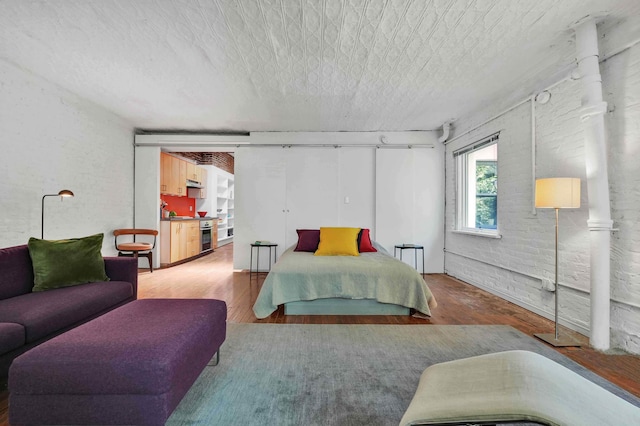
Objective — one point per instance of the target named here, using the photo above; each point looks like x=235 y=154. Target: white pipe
x=446 y=127
x=600 y=223
x=533 y=152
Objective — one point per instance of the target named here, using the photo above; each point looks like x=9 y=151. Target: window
x=477 y=186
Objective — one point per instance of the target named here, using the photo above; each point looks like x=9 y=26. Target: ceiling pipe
x=599 y=223
x=446 y=128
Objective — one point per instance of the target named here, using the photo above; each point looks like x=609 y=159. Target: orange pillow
x=338 y=242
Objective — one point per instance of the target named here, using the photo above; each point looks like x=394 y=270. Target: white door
x=312 y=190
x=260 y=204
x=409 y=204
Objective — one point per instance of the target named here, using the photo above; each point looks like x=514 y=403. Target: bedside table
x=415 y=249
x=258 y=246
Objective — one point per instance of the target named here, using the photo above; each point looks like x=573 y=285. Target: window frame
x=461 y=164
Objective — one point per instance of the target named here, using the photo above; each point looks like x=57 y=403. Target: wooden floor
x=212 y=276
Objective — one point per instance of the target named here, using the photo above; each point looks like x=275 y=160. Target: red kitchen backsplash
x=180 y=205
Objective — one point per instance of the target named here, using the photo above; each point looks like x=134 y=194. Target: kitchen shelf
x=226 y=205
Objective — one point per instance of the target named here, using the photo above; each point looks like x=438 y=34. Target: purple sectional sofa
x=131 y=366
x=29 y=318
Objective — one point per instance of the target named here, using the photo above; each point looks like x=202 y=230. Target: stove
x=205 y=235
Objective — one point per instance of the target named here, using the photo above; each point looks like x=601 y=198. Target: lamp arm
x=42 y=211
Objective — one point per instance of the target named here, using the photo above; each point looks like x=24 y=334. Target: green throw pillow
x=63 y=263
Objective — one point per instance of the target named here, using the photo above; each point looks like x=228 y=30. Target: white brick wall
x=50 y=139
x=516 y=265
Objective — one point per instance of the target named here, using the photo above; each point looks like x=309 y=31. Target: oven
x=206 y=228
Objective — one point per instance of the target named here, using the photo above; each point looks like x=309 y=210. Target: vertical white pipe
x=600 y=223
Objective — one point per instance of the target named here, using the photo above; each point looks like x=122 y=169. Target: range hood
x=193 y=184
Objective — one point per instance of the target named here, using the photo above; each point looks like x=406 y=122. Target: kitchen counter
x=168 y=219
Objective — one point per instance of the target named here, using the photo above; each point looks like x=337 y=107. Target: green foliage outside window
x=487 y=194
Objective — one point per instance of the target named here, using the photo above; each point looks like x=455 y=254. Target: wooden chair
x=136 y=248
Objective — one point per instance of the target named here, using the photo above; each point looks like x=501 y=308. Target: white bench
x=514 y=386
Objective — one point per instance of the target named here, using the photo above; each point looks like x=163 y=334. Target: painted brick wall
x=221 y=160
x=518 y=265
x=621 y=78
x=50 y=140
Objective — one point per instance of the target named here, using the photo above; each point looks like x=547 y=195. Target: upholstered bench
x=130 y=366
x=512 y=387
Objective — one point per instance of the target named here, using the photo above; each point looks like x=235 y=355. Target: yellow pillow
x=338 y=242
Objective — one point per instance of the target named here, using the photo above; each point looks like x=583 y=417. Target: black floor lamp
x=557 y=193
x=62 y=194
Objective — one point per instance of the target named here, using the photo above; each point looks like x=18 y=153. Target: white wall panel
x=312 y=177
x=357 y=184
x=409 y=209
x=52 y=139
x=260 y=181
x=147 y=196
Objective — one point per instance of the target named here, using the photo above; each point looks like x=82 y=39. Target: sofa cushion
x=43 y=313
x=17 y=273
x=63 y=263
x=11 y=336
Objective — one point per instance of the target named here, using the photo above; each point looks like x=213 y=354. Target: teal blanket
x=300 y=276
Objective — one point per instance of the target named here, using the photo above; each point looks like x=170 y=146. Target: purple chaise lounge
x=29 y=318
x=131 y=366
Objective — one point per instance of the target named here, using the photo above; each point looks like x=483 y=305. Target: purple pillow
x=308 y=240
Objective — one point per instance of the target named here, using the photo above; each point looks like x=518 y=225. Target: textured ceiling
x=295 y=65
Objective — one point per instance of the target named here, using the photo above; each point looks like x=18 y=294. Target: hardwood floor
x=212 y=276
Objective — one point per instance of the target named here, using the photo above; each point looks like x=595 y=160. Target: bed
x=369 y=284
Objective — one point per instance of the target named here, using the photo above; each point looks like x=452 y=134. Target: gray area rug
x=272 y=374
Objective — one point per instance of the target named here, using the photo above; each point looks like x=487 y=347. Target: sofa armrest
x=123 y=269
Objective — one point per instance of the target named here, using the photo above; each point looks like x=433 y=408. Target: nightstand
x=415 y=249
x=258 y=245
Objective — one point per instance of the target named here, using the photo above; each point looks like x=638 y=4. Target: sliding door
x=409 y=207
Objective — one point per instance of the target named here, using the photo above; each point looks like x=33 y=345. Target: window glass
x=477 y=186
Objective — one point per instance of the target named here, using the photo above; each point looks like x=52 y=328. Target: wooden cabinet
x=192 y=237
x=165 y=172
x=181 y=180
x=214 y=235
x=201 y=176
x=173 y=175
x=179 y=240
x=192 y=172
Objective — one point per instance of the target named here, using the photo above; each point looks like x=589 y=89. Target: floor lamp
x=61 y=194
x=557 y=193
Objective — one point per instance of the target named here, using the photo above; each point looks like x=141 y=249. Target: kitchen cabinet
x=165 y=173
x=173 y=175
x=214 y=235
x=181 y=179
x=179 y=240
x=192 y=172
x=193 y=237
x=202 y=176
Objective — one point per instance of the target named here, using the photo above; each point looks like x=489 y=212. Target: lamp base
x=561 y=341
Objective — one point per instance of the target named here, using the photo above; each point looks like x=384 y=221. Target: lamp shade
x=558 y=193
x=65 y=193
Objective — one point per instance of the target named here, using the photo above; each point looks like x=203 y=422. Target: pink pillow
x=308 y=240
x=364 y=242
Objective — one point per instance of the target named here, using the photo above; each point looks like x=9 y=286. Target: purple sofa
x=29 y=318
x=131 y=366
